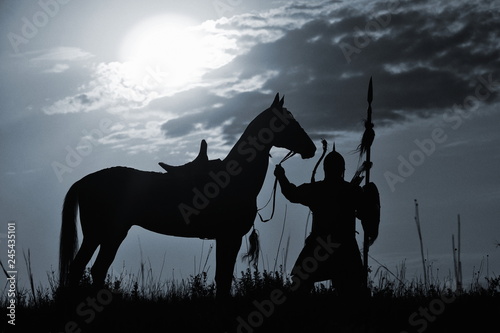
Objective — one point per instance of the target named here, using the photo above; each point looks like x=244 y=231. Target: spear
x=364 y=148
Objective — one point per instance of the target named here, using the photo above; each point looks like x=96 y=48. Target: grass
x=145 y=302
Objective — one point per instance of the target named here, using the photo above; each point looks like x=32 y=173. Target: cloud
x=419 y=62
x=57 y=68
x=119 y=86
x=83 y=102
x=111 y=89
x=251 y=29
x=61 y=53
x=424 y=58
x=56 y=60
x=210 y=111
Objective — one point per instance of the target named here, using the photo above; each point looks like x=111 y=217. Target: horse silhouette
x=210 y=199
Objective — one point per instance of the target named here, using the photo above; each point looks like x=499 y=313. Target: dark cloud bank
x=424 y=59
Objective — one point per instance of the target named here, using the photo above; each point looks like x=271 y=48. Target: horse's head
x=287 y=131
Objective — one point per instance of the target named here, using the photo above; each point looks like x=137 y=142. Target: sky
x=87 y=85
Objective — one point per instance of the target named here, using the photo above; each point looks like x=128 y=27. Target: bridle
x=273 y=193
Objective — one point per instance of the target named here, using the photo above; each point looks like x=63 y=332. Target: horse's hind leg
x=83 y=256
x=107 y=253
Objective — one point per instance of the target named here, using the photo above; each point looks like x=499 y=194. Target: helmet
x=334 y=164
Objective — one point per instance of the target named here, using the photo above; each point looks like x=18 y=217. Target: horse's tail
x=253 y=252
x=69 y=236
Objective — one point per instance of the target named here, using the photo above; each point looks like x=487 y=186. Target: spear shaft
x=369 y=122
x=368 y=125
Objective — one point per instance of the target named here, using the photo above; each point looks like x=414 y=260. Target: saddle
x=195 y=169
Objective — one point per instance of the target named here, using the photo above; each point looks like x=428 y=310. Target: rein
x=253 y=251
x=273 y=193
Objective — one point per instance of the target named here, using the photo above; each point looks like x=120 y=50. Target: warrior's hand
x=279 y=172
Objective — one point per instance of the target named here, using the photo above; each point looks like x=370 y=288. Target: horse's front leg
x=227 y=248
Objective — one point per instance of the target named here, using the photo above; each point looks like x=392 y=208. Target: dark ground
x=320 y=312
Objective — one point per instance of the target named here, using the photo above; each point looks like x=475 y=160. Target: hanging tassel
x=366 y=140
x=253 y=252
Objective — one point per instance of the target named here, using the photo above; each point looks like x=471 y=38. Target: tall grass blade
x=455 y=266
x=281 y=238
x=459 y=251
x=27 y=260
x=208 y=256
x=286 y=254
x=417 y=221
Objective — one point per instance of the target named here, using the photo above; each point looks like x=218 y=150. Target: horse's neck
x=251 y=156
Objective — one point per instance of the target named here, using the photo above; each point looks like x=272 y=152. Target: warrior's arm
x=290 y=191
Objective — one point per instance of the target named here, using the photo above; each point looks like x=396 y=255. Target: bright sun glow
x=170 y=52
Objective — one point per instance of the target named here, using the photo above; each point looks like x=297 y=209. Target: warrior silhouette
x=331 y=250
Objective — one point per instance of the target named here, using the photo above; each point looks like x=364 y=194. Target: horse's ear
x=282 y=101
x=276 y=100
